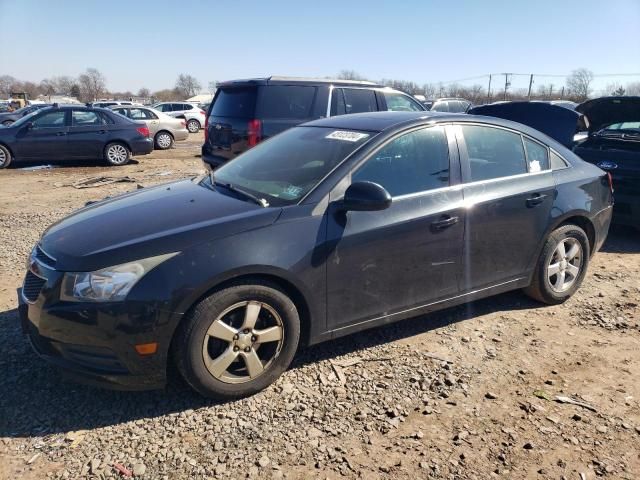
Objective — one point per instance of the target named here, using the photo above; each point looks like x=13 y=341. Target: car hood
x=148 y=222
x=557 y=122
x=604 y=111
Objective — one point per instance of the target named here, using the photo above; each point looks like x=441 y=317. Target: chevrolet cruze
x=329 y=228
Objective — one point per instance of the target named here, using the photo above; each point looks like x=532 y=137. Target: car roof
x=375 y=121
x=282 y=80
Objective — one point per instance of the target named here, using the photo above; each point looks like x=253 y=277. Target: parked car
x=61 y=132
x=5 y=107
x=327 y=229
x=194 y=115
x=110 y=103
x=245 y=112
x=613 y=144
x=450 y=105
x=8 y=118
x=162 y=128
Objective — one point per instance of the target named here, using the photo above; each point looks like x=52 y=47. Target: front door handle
x=102 y=131
x=537 y=199
x=445 y=222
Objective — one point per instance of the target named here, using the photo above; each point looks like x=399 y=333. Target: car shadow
x=60 y=163
x=37 y=401
x=622 y=239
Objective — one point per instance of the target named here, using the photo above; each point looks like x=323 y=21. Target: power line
x=556 y=75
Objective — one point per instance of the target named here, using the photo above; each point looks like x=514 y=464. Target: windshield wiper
x=260 y=201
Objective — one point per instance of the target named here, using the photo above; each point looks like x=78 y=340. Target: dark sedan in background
x=7 y=118
x=73 y=132
x=327 y=229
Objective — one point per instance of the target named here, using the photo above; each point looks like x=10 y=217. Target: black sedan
x=327 y=229
x=71 y=133
x=7 y=118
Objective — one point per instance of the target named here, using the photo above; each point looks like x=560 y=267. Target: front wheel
x=163 y=140
x=237 y=341
x=117 y=154
x=7 y=123
x=561 y=267
x=5 y=157
x=193 y=126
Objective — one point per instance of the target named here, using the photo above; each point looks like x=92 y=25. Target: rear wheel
x=562 y=265
x=5 y=157
x=163 y=140
x=237 y=341
x=117 y=154
x=6 y=123
x=193 y=126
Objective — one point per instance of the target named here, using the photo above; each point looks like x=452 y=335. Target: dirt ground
x=468 y=393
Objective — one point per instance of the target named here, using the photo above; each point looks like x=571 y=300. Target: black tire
x=5 y=157
x=189 y=347
x=7 y=123
x=541 y=287
x=163 y=140
x=193 y=126
x=117 y=154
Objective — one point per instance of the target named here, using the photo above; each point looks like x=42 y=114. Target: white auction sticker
x=347 y=136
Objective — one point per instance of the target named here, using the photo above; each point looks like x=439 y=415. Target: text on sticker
x=347 y=136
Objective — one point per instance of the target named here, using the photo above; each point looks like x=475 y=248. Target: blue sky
x=138 y=43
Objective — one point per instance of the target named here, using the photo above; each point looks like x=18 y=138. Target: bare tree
x=144 y=92
x=350 y=75
x=187 y=86
x=633 y=88
x=213 y=85
x=6 y=84
x=92 y=85
x=579 y=83
x=429 y=90
x=166 y=95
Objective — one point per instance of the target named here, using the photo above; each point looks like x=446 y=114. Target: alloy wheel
x=117 y=154
x=565 y=264
x=3 y=157
x=243 y=341
x=164 y=140
x=193 y=126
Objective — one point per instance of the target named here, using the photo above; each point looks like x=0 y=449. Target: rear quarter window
x=286 y=101
x=235 y=102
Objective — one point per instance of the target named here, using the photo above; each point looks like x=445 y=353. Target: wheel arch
x=164 y=130
x=275 y=278
x=118 y=140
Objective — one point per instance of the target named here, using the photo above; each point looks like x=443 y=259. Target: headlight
x=111 y=284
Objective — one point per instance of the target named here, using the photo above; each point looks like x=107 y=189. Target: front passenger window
x=414 y=162
x=493 y=152
x=50 y=120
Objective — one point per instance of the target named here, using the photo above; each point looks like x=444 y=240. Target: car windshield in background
x=284 y=169
x=625 y=126
x=235 y=102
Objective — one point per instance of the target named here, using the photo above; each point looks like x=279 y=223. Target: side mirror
x=366 y=196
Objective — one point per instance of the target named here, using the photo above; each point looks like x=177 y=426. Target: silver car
x=163 y=128
x=193 y=114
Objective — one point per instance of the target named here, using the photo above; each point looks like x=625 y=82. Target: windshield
x=284 y=169
x=626 y=126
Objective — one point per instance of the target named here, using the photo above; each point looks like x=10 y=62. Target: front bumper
x=95 y=344
x=142 y=147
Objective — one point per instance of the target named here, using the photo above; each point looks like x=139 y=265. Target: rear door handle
x=445 y=222
x=537 y=199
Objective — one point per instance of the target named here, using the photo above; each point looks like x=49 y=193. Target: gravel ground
x=471 y=392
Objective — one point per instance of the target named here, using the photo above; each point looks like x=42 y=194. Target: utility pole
x=530 y=84
x=506 y=84
x=489 y=90
x=562 y=94
x=551 y=92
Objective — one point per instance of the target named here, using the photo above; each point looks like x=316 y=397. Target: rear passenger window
x=286 y=101
x=537 y=156
x=187 y=106
x=84 y=118
x=557 y=162
x=359 y=100
x=414 y=162
x=493 y=152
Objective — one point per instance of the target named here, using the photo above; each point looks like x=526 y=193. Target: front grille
x=32 y=286
x=44 y=258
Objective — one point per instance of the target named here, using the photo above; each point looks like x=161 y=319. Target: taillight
x=206 y=129
x=254 y=132
x=144 y=131
x=203 y=112
x=610 y=178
